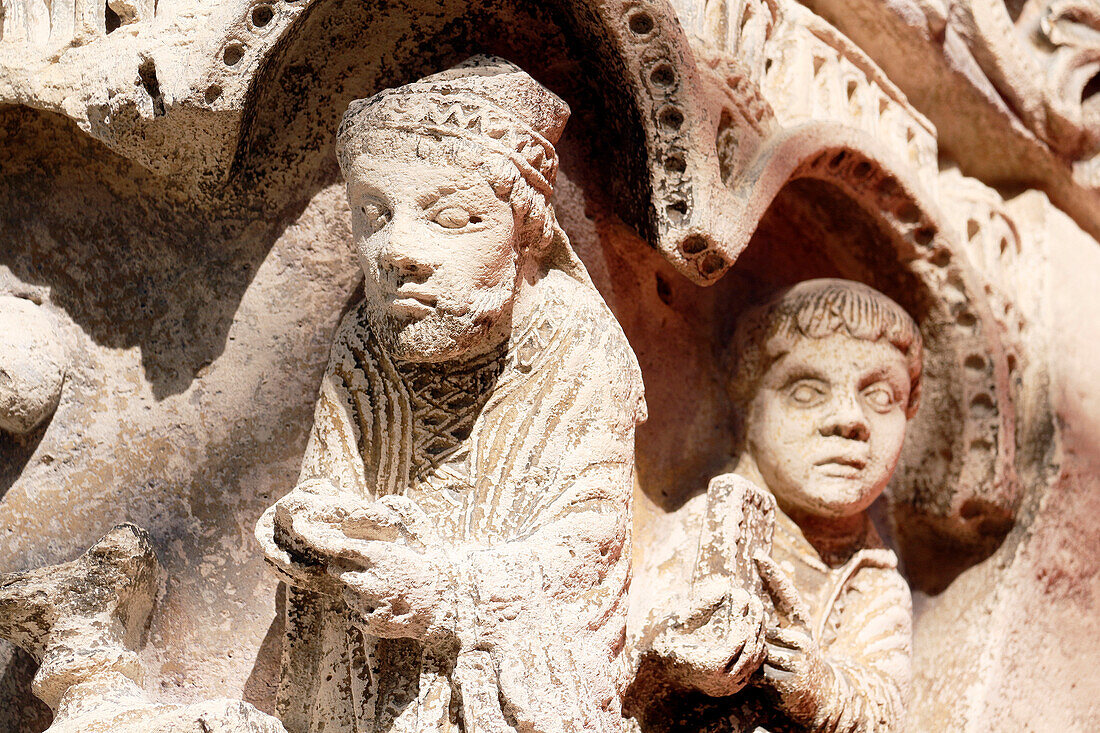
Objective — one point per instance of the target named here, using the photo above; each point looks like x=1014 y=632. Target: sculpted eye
x=806 y=392
x=455 y=217
x=375 y=214
x=880 y=396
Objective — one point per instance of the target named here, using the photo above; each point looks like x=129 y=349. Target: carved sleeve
x=334 y=448
x=565 y=502
x=547 y=576
x=869 y=657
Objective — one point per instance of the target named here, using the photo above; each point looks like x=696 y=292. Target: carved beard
x=450 y=331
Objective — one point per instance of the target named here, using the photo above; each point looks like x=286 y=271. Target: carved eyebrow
x=429 y=198
x=803 y=371
x=879 y=373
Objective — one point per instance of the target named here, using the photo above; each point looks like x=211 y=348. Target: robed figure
x=457 y=550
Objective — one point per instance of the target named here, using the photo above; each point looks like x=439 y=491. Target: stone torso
x=493 y=450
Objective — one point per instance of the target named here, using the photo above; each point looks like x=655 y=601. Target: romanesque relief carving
x=457 y=549
x=838 y=119
x=46 y=25
x=82 y=622
x=1043 y=56
x=796 y=617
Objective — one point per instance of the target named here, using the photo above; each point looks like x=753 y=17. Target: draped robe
x=860 y=617
x=523 y=459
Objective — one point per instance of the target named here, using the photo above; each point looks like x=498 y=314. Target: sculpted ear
x=543 y=227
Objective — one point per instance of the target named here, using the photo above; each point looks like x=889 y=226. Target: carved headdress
x=489 y=102
x=486 y=100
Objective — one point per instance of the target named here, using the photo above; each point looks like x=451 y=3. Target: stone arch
x=302 y=85
x=956 y=493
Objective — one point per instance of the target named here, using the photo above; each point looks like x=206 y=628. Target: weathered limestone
x=1022 y=78
x=32 y=365
x=825 y=377
x=177 y=266
x=82 y=622
x=457 y=547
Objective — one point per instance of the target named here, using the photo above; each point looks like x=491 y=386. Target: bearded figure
x=457 y=549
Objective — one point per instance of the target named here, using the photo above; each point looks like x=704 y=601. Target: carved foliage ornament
x=1043 y=56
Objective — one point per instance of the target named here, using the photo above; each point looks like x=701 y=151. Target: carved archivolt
x=766 y=94
x=838 y=120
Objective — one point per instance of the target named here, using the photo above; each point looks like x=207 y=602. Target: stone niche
x=178 y=253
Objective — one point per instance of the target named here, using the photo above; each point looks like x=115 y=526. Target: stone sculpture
x=171 y=208
x=1040 y=55
x=82 y=621
x=826 y=375
x=457 y=548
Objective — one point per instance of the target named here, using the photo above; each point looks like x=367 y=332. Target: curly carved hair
x=816 y=309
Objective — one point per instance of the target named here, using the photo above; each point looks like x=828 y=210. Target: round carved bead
x=32 y=365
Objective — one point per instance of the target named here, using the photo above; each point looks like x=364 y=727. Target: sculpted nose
x=847 y=420
x=403 y=255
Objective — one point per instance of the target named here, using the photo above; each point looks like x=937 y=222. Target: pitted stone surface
x=170 y=202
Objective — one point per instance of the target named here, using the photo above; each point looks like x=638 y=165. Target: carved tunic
x=524 y=460
x=861 y=616
x=862 y=620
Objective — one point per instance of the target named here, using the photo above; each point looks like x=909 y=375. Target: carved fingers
x=798 y=673
x=787 y=650
x=794 y=666
x=752 y=624
x=397 y=591
x=788 y=601
x=717 y=645
x=381 y=557
x=392 y=519
x=291 y=560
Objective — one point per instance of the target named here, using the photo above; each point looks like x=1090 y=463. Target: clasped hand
x=383 y=558
x=717 y=644
x=794 y=667
x=726 y=640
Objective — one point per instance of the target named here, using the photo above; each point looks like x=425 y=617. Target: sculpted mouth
x=846 y=461
x=408 y=296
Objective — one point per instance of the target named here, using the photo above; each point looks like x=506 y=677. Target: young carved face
x=437 y=248
x=827 y=422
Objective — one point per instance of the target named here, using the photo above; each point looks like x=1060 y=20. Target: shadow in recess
x=20 y=710
x=263 y=681
x=129 y=256
x=15 y=452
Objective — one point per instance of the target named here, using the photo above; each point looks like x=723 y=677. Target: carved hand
x=794 y=666
x=395 y=571
x=717 y=645
x=382 y=558
x=315 y=503
x=797 y=671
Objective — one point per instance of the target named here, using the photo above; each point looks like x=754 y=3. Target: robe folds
x=524 y=463
x=859 y=612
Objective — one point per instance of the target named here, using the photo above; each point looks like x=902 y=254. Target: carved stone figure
x=457 y=548
x=170 y=202
x=826 y=375
x=82 y=621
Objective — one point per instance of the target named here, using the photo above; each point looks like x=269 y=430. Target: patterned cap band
x=486 y=100
x=463 y=115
